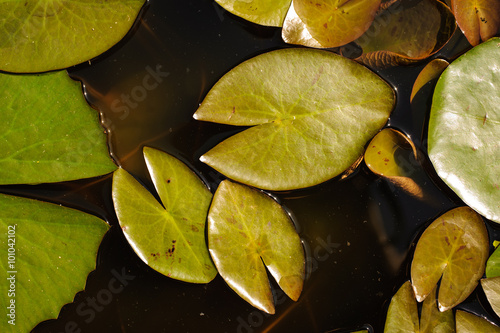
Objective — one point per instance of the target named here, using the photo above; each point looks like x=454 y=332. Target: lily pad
x=336 y=23
x=406 y=33
x=248 y=230
x=48 y=132
x=168 y=238
x=479 y=20
x=402 y=315
x=430 y=72
x=453 y=249
x=264 y=12
x=493 y=264
x=312 y=114
x=464 y=127
x=51 y=250
x=491 y=287
x=38 y=36
x=467 y=322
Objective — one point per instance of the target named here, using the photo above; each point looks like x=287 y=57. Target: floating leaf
x=295 y=31
x=169 y=238
x=454 y=249
x=334 y=23
x=48 y=132
x=264 y=12
x=405 y=33
x=51 y=251
x=491 y=287
x=493 y=264
x=314 y=111
x=402 y=315
x=246 y=230
x=464 y=127
x=37 y=36
x=479 y=20
x=467 y=323
x=430 y=72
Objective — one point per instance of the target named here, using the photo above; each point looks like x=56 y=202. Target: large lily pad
x=453 y=248
x=169 y=238
x=51 y=251
x=38 y=36
x=247 y=229
x=464 y=127
x=479 y=20
x=312 y=113
x=48 y=132
x=467 y=323
x=407 y=32
x=264 y=12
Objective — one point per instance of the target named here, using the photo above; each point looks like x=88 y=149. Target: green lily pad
x=467 y=323
x=168 y=238
x=264 y=12
x=407 y=32
x=453 y=248
x=493 y=264
x=247 y=229
x=37 y=36
x=491 y=287
x=312 y=114
x=51 y=251
x=48 y=132
x=430 y=72
x=479 y=20
x=336 y=23
x=464 y=127
x=402 y=315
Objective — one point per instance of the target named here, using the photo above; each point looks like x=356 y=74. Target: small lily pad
x=493 y=264
x=248 y=231
x=48 y=252
x=38 y=36
x=491 y=287
x=430 y=72
x=453 y=249
x=169 y=238
x=312 y=114
x=264 y=12
x=48 y=132
x=467 y=323
x=464 y=127
x=479 y=20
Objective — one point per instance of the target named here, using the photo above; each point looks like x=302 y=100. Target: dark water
x=358 y=232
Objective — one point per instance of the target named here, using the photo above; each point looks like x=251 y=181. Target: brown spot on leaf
x=447 y=240
x=194 y=228
x=168 y=181
x=461 y=248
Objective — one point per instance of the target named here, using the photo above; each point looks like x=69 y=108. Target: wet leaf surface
x=406 y=32
x=479 y=20
x=312 y=113
x=264 y=12
x=48 y=132
x=248 y=231
x=430 y=72
x=295 y=31
x=334 y=23
x=55 y=249
x=491 y=287
x=493 y=264
x=37 y=36
x=169 y=238
x=464 y=127
x=453 y=249
x=467 y=323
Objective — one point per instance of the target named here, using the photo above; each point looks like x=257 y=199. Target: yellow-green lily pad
x=467 y=323
x=491 y=287
x=264 y=12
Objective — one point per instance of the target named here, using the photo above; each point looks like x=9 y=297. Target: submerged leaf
x=467 y=323
x=53 y=250
x=48 y=132
x=430 y=72
x=334 y=23
x=405 y=33
x=479 y=20
x=312 y=113
x=169 y=238
x=454 y=249
x=246 y=230
x=37 y=36
x=491 y=287
x=464 y=128
x=264 y=12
